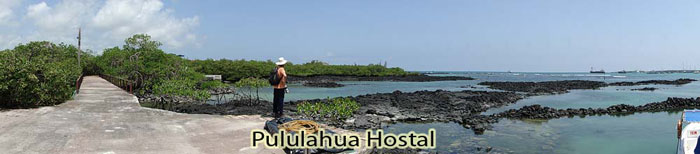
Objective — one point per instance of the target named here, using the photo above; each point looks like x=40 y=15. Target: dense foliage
x=38 y=74
x=315 y=68
x=153 y=70
x=234 y=70
x=43 y=73
x=334 y=109
x=180 y=87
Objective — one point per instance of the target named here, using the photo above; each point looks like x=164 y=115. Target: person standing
x=280 y=89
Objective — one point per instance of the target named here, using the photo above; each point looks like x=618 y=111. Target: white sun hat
x=281 y=61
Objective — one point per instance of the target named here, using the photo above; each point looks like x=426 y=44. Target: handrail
x=78 y=83
x=126 y=85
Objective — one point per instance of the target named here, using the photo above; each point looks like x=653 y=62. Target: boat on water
x=597 y=71
x=688 y=135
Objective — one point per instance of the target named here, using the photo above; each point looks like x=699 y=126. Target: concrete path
x=103 y=119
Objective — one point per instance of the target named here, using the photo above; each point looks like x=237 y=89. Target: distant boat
x=622 y=72
x=598 y=71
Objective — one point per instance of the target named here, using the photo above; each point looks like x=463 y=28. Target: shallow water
x=354 y=88
x=637 y=133
x=607 y=96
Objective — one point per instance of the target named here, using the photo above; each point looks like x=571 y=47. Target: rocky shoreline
x=559 y=87
x=463 y=107
x=539 y=112
x=681 y=81
x=377 y=110
x=325 y=84
x=545 y=87
x=407 y=78
x=480 y=123
x=645 y=89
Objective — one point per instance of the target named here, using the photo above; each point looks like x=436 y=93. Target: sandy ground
x=106 y=120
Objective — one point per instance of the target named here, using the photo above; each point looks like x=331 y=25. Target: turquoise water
x=652 y=133
x=607 y=96
x=637 y=133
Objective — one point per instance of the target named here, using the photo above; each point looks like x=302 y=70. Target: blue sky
x=464 y=35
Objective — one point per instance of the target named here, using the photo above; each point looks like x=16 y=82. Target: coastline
x=463 y=107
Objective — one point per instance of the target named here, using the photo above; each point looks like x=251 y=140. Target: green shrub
x=335 y=109
x=180 y=88
x=154 y=71
x=37 y=74
x=234 y=70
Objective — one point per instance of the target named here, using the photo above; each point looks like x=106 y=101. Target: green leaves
x=334 y=109
x=251 y=82
x=154 y=71
x=37 y=74
x=180 y=88
x=234 y=70
x=314 y=68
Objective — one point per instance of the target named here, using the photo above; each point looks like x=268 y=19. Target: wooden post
x=79 y=37
x=77 y=87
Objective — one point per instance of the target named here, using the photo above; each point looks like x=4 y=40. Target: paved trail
x=103 y=119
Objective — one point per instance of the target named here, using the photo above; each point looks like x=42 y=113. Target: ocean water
x=637 y=133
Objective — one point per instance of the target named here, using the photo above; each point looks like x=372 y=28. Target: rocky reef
x=558 y=87
x=645 y=89
x=463 y=107
x=681 y=81
x=545 y=87
x=375 y=109
x=324 y=84
x=447 y=106
x=479 y=123
x=539 y=112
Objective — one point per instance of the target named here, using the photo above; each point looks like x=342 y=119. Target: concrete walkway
x=103 y=119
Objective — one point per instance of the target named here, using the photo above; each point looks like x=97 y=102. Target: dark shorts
x=278 y=102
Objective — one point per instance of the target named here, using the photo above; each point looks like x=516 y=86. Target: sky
x=417 y=35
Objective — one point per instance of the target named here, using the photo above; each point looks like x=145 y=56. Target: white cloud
x=104 y=23
x=37 y=10
x=6 y=10
x=123 y=18
x=68 y=14
x=9 y=41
